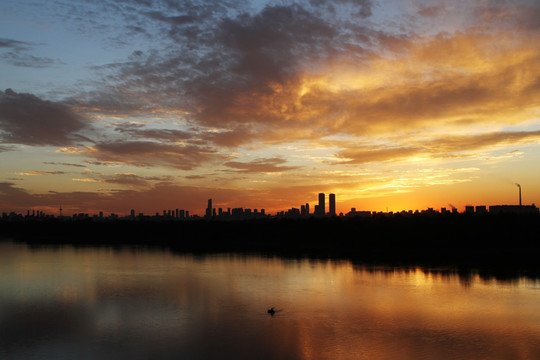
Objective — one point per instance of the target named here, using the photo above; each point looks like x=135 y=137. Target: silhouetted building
x=209 y=208
x=469 y=209
x=237 y=212
x=293 y=212
x=332 y=204
x=513 y=209
x=481 y=209
x=320 y=209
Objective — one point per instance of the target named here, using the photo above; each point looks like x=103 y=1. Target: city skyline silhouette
x=319 y=210
x=153 y=105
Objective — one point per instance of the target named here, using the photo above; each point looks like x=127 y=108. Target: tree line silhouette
x=505 y=242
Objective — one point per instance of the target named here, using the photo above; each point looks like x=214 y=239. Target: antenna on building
x=519 y=186
x=60 y=210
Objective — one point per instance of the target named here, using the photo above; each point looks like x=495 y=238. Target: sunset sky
x=112 y=105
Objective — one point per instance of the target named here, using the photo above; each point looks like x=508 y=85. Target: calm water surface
x=97 y=303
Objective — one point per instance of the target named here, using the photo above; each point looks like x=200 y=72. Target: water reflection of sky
x=103 y=303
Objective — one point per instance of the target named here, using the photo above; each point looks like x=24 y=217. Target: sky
x=113 y=105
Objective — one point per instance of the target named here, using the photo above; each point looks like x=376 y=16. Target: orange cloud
x=40 y=172
x=441 y=147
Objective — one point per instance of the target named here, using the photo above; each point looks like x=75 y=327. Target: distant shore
x=498 y=243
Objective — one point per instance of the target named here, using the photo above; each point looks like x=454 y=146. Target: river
x=104 y=303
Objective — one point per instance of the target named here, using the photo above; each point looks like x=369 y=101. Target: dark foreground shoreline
x=504 y=246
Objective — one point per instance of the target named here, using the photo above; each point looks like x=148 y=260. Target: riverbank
x=496 y=243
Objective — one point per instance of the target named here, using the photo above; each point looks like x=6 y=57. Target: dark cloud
x=234 y=137
x=13 y=197
x=138 y=131
x=430 y=11
x=14 y=44
x=271 y=44
x=148 y=153
x=100 y=163
x=265 y=165
x=27 y=60
x=27 y=119
x=63 y=164
x=360 y=8
x=133 y=179
x=517 y=15
x=221 y=61
x=17 y=55
x=257 y=51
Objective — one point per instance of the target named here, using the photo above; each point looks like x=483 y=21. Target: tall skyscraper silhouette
x=322 y=206
x=209 y=209
x=332 y=204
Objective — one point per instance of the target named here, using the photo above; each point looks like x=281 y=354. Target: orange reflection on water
x=156 y=304
x=412 y=315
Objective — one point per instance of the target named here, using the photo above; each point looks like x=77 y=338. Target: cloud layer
x=299 y=71
x=27 y=119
